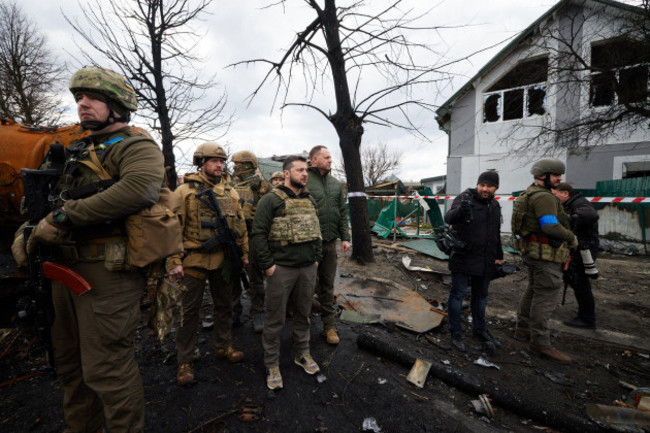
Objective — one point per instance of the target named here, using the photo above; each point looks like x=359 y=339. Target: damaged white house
x=573 y=86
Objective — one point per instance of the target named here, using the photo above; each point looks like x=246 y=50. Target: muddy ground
x=360 y=383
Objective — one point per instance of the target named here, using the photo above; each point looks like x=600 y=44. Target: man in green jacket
x=332 y=214
x=286 y=237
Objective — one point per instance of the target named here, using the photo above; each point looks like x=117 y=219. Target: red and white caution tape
x=502 y=198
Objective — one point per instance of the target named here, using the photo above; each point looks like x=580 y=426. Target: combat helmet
x=277 y=175
x=544 y=166
x=105 y=82
x=208 y=150
x=245 y=156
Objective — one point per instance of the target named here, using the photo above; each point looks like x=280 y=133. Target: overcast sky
x=241 y=30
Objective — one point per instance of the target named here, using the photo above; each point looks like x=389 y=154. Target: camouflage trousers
x=540 y=299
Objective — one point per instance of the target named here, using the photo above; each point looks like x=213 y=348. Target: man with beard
x=545 y=241
x=287 y=238
x=207 y=201
x=475 y=216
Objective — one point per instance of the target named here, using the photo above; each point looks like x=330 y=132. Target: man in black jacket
x=584 y=224
x=475 y=216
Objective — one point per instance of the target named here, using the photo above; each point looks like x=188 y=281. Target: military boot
x=230 y=354
x=185 y=375
x=550 y=352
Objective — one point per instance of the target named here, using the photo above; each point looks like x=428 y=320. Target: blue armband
x=547 y=219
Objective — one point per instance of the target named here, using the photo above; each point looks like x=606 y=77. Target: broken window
x=619 y=73
x=521 y=93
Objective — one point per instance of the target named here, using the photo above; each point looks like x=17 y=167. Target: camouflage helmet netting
x=245 y=156
x=107 y=82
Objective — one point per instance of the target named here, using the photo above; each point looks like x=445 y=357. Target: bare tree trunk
x=350 y=131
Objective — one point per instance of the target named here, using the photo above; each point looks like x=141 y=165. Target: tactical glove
x=573 y=243
x=46 y=232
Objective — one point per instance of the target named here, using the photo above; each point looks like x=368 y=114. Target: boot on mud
x=521 y=335
x=550 y=352
x=258 y=323
x=274 y=378
x=230 y=354
x=485 y=336
x=457 y=342
x=185 y=375
x=307 y=363
x=577 y=322
x=331 y=336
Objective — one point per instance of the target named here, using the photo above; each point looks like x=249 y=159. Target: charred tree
x=151 y=42
x=342 y=45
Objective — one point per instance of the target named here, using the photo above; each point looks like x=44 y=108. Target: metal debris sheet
x=392 y=302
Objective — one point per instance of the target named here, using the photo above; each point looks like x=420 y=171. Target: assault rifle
x=225 y=237
x=36 y=303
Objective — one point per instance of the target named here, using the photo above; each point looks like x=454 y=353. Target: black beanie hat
x=489 y=177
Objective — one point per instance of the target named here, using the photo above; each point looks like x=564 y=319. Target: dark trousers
x=325 y=284
x=478 y=301
x=582 y=290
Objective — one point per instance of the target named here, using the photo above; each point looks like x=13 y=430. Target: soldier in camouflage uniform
x=250 y=186
x=545 y=240
x=198 y=264
x=277 y=178
x=93 y=333
x=287 y=239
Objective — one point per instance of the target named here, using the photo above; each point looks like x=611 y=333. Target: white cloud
x=236 y=31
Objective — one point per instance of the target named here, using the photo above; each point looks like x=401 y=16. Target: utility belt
x=111 y=250
x=544 y=248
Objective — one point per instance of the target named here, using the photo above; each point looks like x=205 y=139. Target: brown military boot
x=521 y=335
x=331 y=336
x=230 y=354
x=550 y=352
x=185 y=374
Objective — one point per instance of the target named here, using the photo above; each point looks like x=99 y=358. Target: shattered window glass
x=633 y=85
x=620 y=72
x=536 y=100
x=513 y=104
x=521 y=91
x=491 y=108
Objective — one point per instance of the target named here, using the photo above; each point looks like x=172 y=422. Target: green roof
x=529 y=31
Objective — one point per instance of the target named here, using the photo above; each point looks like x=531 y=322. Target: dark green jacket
x=270 y=253
x=332 y=212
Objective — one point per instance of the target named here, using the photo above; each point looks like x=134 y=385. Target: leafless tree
x=346 y=45
x=30 y=77
x=151 y=42
x=600 y=87
x=378 y=163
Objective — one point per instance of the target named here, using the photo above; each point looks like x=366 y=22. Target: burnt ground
x=530 y=394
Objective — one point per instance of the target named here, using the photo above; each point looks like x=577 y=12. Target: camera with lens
x=447 y=240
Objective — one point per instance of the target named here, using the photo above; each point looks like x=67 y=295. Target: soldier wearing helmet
x=250 y=186
x=277 y=178
x=111 y=174
x=545 y=241
x=214 y=227
x=109 y=87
